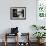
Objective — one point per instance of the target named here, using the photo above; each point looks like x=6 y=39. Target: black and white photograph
x=18 y=13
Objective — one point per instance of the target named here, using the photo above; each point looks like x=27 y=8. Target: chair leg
x=5 y=39
x=5 y=43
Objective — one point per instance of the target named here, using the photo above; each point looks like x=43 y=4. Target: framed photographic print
x=18 y=13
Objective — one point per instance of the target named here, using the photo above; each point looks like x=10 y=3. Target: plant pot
x=40 y=41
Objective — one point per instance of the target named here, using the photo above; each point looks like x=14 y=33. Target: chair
x=26 y=41
x=14 y=32
x=7 y=35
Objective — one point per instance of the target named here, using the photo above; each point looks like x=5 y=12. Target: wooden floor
x=13 y=44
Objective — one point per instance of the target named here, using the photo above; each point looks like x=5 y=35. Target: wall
x=24 y=25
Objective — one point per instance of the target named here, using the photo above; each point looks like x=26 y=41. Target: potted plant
x=39 y=35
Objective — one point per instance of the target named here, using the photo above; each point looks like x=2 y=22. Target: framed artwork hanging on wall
x=41 y=12
x=18 y=13
x=41 y=8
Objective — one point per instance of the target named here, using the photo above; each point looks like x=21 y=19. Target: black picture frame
x=18 y=13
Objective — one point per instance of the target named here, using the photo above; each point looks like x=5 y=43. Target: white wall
x=24 y=25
